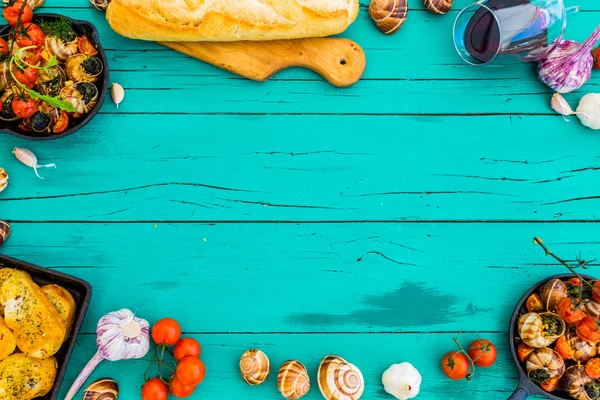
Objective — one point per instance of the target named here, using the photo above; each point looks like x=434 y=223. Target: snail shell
x=101 y=5
x=82 y=95
x=339 y=380
x=552 y=293
x=35 y=3
x=535 y=331
x=102 y=389
x=292 y=380
x=574 y=382
x=61 y=49
x=83 y=68
x=544 y=364
x=438 y=6
x=3 y=179
x=4 y=231
x=389 y=15
x=254 y=367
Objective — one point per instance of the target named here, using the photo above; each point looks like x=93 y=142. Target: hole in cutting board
x=343 y=62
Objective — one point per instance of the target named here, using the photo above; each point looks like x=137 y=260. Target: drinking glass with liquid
x=509 y=31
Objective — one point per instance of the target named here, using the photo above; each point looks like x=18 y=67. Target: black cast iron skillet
x=81 y=28
x=526 y=386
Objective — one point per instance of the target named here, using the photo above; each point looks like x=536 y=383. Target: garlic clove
x=118 y=93
x=588 y=111
x=403 y=381
x=560 y=105
x=28 y=158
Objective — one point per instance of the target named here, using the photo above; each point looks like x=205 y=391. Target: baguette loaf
x=229 y=20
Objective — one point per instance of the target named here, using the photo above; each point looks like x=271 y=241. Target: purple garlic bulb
x=569 y=66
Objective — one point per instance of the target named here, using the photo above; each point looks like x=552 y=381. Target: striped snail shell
x=339 y=380
x=389 y=15
x=3 y=179
x=292 y=380
x=438 y=6
x=254 y=367
x=4 y=231
x=102 y=389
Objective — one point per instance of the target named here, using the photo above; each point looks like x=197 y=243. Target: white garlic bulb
x=589 y=111
x=402 y=381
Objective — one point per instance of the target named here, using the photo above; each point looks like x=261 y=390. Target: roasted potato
x=8 y=343
x=38 y=327
x=64 y=303
x=24 y=378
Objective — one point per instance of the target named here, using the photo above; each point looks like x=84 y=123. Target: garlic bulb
x=569 y=66
x=402 y=381
x=120 y=336
x=589 y=111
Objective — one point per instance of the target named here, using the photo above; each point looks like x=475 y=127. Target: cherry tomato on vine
x=180 y=390
x=592 y=368
x=596 y=55
x=166 y=331
x=24 y=106
x=11 y=13
x=455 y=365
x=588 y=329
x=155 y=389
x=34 y=37
x=62 y=122
x=483 y=353
x=3 y=48
x=596 y=289
x=86 y=47
x=190 y=371
x=187 y=347
x=571 y=310
x=27 y=77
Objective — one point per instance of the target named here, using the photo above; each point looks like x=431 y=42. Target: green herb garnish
x=61 y=28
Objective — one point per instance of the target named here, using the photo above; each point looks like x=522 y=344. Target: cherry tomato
x=596 y=289
x=563 y=348
x=523 y=351
x=24 y=106
x=592 y=368
x=575 y=281
x=11 y=13
x=483 y=353
x=534 y=303
x=166 y=331
x=155 y=389
x=34 y=37
x=588 y=329
x=33 y=56
x=570 y=310
x=4 y=49
x=187 y=347
x=86 y=47
x=190 y=371
x=62 y=122
x=550 y=385
x=179 y=390
x=27 y=77
x=455 y=365
x=596 y=55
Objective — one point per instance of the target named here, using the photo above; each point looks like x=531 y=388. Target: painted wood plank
x=403 y=77
x=376 y=277
x=371 y=353
x=309 y=168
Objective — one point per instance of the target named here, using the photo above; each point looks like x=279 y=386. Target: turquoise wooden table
x=372 y=222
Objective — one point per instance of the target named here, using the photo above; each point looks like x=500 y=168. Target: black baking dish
x=82 y=293
x=80 y=28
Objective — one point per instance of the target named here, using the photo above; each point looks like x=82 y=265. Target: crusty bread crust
x=229 y=20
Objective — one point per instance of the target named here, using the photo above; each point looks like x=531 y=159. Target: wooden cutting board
x=340 y=61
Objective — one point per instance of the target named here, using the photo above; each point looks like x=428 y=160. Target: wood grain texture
x=240 y=168
x=367 y=277
x=340 y=61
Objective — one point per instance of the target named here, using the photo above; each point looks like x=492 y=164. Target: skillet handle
x=519 y=394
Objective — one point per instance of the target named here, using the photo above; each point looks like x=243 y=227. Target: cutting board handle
x=340 y=61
